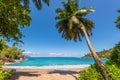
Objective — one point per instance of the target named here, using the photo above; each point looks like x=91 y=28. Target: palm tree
x=117 y=21
x=38 y=3
x=72 y=24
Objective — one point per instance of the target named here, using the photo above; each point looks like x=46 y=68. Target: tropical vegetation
x=102 y=54
x=117 y=21
x=4 y=74
x=72 y=24
x=38 y=3
x=112 y=66
x=115 y=55
x=9 y=54
x=14 y=15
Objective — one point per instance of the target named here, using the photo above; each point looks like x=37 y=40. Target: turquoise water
x=50 y=61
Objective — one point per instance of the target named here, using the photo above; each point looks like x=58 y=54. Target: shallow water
x=54 y=61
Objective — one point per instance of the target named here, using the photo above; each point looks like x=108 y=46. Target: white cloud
x=27 y=52
x=56 y=54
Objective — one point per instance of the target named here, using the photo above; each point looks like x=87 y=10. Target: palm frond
x=37 y=4
x=61 y=14
x=26 y=3
x=118 y=22
x=88 y=24
x=84 y=11
x=66 y=21
x=46 y=2
x=119 y=11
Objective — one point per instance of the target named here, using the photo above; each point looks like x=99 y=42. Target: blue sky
x=42 y=38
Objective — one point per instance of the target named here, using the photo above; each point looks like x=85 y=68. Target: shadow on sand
x=16 y=75
x=64 y=72
x=27 y=73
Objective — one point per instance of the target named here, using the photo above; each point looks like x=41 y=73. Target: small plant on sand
x=93 y=73
x=112 y=66
x=4 y=74
x=1 y=63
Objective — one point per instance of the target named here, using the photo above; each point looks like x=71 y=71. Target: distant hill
x=102 y=54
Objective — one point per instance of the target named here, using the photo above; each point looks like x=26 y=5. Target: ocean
x=54 y=61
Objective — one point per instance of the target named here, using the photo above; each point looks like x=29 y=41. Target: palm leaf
x=118 y=22
x=46 y=2
x=65 y=24
x=37 y=4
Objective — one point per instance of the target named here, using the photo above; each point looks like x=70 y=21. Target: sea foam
x=49 y=67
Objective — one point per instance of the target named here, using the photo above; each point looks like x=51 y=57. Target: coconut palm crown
x=67 y=26
x=72 y=24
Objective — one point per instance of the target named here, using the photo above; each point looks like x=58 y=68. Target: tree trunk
x=96 y=58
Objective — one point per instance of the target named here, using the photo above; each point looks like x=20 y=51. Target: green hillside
x=102 y=54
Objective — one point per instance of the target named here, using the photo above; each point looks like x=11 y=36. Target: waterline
x=49 y=67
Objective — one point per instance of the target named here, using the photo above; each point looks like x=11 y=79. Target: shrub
x=4 y=74
x=113 y=70
x=1 y=63
x=93 y=73
x=115 y=55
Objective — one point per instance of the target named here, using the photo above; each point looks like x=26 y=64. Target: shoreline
x=57 y=67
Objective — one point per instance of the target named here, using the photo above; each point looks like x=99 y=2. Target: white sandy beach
x=46 y=73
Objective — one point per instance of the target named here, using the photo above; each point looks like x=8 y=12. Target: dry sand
x=50 y=74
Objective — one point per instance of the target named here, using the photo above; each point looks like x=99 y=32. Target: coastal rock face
x=10 y=59
x=7 y=60
x=22 y=58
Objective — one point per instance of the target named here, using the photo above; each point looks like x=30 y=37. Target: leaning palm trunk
x=96 y=58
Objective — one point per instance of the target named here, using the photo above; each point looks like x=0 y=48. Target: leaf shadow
x=16 y=75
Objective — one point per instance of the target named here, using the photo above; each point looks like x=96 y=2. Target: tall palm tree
x=38 y=3
x=72 y=24
x=117 y=21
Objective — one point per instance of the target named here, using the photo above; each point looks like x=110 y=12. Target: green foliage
x=1 y=63
x=117 y=21
x=13 y=17
x=69 y=20
x=37 y=3
x=4 y=74
x=102 y=54
x=115 y=55
x=93 y=73
x=112 y=66
x=9 y=52
x=113 y=70
x=2 y=45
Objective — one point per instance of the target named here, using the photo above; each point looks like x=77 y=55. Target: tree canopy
x=9 y=52
x=71 y=18
x=13 y=17
x=115 y=54
x=117 y=21
x=38 y=3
